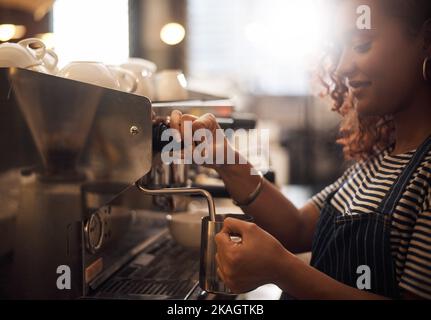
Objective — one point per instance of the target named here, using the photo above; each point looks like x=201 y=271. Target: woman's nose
x=346 y=65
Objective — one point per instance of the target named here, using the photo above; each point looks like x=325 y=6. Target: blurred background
x=261 y=53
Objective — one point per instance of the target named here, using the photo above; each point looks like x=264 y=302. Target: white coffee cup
x=50 y=61
x=92 y=72
x=48 y=57
x=143 y=70
x=171 y=85
x=138 y=64
x=22 y=55
x=126 y=78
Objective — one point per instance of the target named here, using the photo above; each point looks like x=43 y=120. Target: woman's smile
x=359 y=88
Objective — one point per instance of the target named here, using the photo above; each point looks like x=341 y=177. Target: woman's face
x=382 y=66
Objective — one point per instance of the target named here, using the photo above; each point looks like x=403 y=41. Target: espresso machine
x=73 y=221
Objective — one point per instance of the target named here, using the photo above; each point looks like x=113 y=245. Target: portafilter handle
x=158 y=143
x=165 y=191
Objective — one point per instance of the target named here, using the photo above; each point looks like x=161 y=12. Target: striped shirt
x=361 y=189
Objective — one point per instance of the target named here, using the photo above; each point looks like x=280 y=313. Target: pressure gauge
x=93 y=231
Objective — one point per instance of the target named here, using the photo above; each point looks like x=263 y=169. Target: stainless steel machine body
x=71 y=155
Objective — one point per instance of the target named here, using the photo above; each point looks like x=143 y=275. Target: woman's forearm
x=302 y=281
x=271 y=209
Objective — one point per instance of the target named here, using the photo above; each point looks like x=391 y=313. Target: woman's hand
x=255 y=261
x=214 y=148
x=260 y=259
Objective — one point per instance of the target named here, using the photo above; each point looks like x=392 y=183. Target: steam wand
x=165 y=191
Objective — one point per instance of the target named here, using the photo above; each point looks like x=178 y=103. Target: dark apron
x=342 y=243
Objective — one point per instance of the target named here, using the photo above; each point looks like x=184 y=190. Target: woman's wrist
x=241 y=182
x=283 y=269
x=252 y=195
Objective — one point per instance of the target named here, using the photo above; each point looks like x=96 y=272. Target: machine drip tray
x=161 y=288
x=164 y=270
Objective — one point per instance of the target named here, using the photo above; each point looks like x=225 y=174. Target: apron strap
x=392 y=198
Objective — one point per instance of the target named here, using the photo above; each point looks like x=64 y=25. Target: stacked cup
x=28 y=54
x=134 y=76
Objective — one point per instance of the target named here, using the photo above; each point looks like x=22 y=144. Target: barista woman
x=376 y=218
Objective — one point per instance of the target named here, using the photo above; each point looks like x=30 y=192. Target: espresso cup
x=137 y=65
x=22 y=54
x=92 y=72
x=50 y=61
x=48 y=57
x=126 y=78
x=171 y=86
x=144 y=72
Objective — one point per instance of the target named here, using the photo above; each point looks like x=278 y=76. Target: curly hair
x=364 y=136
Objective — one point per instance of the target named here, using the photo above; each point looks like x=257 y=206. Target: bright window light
x=267 y=47
x=96 y=30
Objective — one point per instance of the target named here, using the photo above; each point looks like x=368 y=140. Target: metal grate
x=170 y=288
x=171 y=272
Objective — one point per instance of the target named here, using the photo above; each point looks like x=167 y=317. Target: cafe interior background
x=259 y=53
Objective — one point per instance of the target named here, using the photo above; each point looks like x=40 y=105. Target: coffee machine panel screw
x=134 y=130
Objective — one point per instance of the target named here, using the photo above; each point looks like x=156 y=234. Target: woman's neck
x=413 y=124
